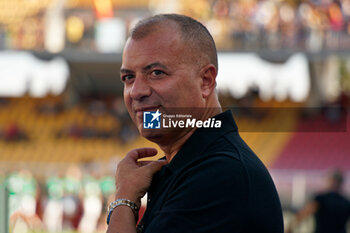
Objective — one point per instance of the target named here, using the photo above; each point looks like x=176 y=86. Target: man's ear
x=208 y=74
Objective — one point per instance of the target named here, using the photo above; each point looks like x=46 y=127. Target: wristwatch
x=121 y=202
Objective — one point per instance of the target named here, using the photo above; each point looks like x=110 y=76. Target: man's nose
x=140 y=88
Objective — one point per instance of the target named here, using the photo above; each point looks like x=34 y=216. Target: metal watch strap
x=122 y=202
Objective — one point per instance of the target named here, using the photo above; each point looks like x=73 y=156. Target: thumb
x=155 y=166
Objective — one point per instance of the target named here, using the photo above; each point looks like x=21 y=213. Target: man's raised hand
x=134 y=177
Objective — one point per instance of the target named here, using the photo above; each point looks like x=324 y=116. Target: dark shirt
x=215 y=183
x=332 y=214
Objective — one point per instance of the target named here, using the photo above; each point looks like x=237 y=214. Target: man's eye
x=126 y=78
x=157 y=72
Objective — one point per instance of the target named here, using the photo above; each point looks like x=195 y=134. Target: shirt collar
x=200 y=140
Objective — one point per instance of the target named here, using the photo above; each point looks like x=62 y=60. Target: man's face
x=158 y=74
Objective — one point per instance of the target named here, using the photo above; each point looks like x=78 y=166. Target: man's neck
x=171 y=149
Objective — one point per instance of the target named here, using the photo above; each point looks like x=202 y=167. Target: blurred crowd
x=71 y=200
x=311 y=25
x=82 y=125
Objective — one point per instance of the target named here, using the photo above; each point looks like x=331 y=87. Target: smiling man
x=209 y=180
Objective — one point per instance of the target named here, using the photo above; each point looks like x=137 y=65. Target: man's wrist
x=123 y=202
x=129 y=196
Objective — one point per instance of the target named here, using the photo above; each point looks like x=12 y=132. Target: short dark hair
x=337 y=177
x=192 y=31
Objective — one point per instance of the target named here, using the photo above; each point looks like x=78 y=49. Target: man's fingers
x=143 y=163
x=142 y=153
x=155 y=166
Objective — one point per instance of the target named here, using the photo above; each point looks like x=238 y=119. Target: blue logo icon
x=151 y=120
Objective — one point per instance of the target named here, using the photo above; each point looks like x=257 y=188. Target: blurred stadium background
x=284 y=70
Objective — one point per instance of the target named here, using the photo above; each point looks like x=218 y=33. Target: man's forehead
x=156 y=39
x=156 y=47
x=163 y=27
x=164 y=35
